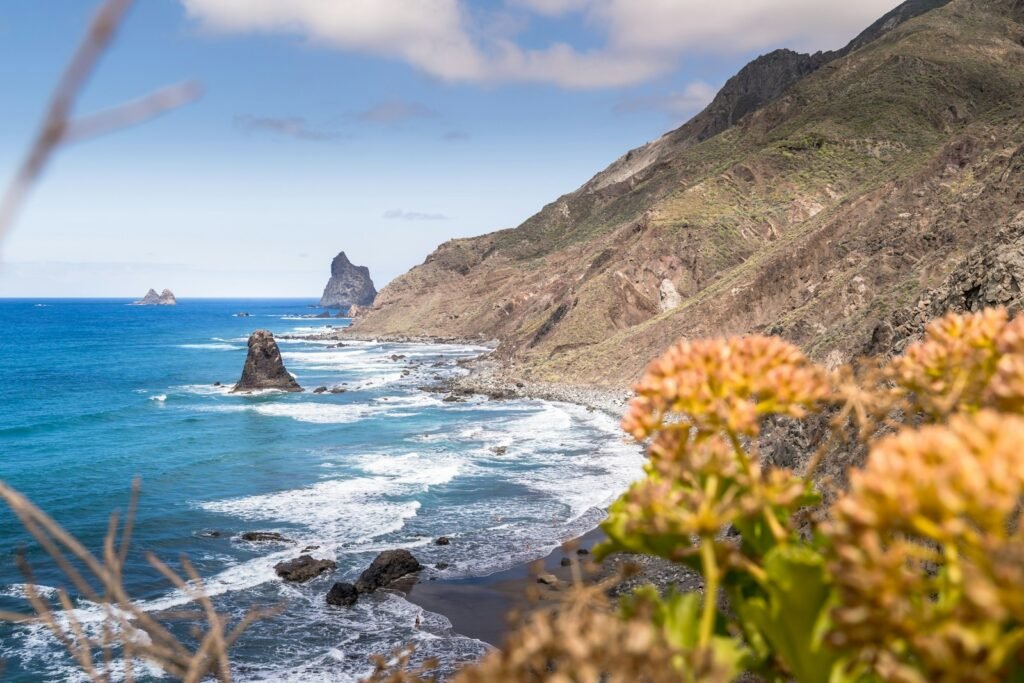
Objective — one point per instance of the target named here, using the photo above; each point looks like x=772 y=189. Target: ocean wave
x=213 y=346
x=159 y=398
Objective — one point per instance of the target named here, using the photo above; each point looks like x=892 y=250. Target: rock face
x=303 y=568
x=164 y=298
x=342 y=595
x=389 y=566
x=264 y=368
x=349 y=285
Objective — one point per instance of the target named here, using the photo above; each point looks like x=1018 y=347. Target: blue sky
x=378 y=127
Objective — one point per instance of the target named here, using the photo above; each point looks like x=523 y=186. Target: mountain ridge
x=846 y=197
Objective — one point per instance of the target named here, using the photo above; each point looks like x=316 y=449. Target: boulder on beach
x=264 y=368
x=349 y=284
x=387 y=567
x=342 y=595
x=164 y=298
x=303 y=568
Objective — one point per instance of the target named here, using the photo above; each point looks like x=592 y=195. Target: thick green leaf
x=792 y=615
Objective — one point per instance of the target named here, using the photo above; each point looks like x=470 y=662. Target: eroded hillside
x=851 y=184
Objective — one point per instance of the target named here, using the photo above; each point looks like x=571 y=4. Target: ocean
x=96 y=392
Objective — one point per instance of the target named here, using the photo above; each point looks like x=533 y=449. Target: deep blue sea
x=96 y=392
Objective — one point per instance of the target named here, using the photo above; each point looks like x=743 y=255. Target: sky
x=378 y=127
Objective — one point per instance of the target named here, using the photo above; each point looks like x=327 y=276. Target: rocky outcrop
x=991 y=275
x=164 y=298
x=264 y=537
x=354 y=311
x=264 y=368
x=342 y=595
x=349 y=285
x=386 y=568
x=303 y=568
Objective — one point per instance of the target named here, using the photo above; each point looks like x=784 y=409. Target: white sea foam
x=213 y=346
x=159 y=398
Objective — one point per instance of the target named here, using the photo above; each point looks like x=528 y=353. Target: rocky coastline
x=478 y=606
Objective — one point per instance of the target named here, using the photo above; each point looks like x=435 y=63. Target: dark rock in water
x=565 y=562
x=264 y=537
x=339 y=345
x=309 y=548
x=217 y=384
x=397 y=356
x=264 y=368
x=444 y=540
x=320 y=390
x=325 y=314
x=582 y=551
x=442 y=566
x=211 y=534
x=452 y=398
x=241 y=314
x=303 y=568
x=389 y=566
x=164 y=298
x=348 y=285
x=342 y=595
x=499 y=450
x=338 y=390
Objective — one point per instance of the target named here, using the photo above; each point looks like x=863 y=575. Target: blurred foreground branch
x=59 y=128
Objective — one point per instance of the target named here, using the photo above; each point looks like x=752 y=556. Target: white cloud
x=642 y=39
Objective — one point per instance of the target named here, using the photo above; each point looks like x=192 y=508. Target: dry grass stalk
x=127 y=633
x=58 y=127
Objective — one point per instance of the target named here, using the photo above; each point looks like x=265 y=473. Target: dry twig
x=59 y=128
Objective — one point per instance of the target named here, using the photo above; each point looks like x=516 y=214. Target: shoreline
x=486 y=608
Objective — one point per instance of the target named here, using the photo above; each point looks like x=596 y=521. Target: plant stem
x=711 y=579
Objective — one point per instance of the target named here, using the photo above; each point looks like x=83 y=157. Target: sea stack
x=164 y=298
x=349 y=285
x=264 y=368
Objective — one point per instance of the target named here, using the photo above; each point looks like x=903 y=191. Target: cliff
x=349 y=285
x=840 y=189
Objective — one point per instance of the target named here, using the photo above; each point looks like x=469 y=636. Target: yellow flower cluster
x=965 y=363
x=928 y=555
x=724 y=385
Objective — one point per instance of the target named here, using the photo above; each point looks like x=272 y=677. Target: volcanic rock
x=342 y=595
x=349 y=284
x=264 y=368
x=389 y=566
x=303 y=568
x=264 y=537
x=443 y=540
x=165 y=298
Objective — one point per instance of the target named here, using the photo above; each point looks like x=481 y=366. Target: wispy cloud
x=636 y=40
x=395 y=111
x=691 y=100
x=293 y=127
x=400 y=215
x=455 y=136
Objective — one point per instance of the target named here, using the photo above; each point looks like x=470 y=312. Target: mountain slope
x=844 y=192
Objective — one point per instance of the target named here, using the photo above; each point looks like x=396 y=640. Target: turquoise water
x=94 y=393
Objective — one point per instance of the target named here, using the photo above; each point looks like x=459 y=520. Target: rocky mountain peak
x=165 y=298
x=350 y=285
